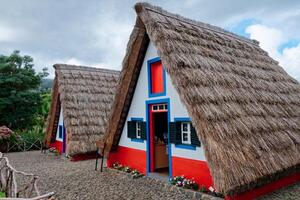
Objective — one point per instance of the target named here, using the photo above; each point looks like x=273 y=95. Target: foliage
x=127 y=169
x=181 y=181
x=46 y=84
x=134 y=172
x=5 y=132
x=55 y=151
x=23 y=101
x=2 y=194
x=19 y=95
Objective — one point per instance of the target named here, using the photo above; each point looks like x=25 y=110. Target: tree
x=19 y=91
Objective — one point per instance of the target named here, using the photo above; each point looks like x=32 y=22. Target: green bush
x=2 y=194
x=24 y=138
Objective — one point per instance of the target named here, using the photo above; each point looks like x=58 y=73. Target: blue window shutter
x=60 y=132
x=172 y=132
x=194 y=137
x=131 y=129
x=178 y=132
x=143 y=131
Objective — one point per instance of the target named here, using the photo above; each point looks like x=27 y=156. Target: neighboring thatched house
x=197 y=100
x=81 y=104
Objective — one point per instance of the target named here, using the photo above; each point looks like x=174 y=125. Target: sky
x=95 y=32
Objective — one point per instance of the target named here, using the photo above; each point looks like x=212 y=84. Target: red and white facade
x=154 y=88
x=59 y=140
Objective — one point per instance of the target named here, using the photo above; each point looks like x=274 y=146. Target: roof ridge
x=59 y=66
x=200 y=24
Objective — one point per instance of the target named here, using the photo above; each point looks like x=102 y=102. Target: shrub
x=2 y=195
x=127 y=169
x=181 y=181
x=135 y=173
x=117 y=166
x=5 y=132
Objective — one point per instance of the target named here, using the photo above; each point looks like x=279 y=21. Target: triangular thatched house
x=197 y=100
x=81 y=104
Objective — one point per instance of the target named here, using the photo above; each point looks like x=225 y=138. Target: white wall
x=138 y=109
x=60 y=122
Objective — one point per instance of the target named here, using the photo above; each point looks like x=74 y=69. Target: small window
x=60 y=132
x=160 y=108
x=186 y=133
x=138 y=130
x=156 y=78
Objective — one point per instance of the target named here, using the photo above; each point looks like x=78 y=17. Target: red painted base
x=133 y=158
x=84 y=156
x=265 y=189
x=198 y=170
x=57 y=145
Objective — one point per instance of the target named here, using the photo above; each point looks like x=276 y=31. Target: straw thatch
x=85 y=95
x=245 y=107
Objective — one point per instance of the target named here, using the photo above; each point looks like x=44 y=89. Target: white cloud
x=111 y=37
x=270 y=40
x=7 y=34
x=41 y=61
x=291 y=59
x=74 y=61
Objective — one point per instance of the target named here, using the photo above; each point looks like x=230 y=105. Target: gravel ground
x=78 y=180
x=289 y=193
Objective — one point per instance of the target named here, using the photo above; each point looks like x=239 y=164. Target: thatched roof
x=245 y=107
x=86 y=95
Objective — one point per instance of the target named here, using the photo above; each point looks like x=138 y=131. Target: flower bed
x=135 y=173
x=182 y=182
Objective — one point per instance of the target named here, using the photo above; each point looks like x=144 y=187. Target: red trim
x=152 y=166
x=196 y=169
x=84 y=156
x=157 y=80
x=133 y=158
x=268 y=188
x=57 y=145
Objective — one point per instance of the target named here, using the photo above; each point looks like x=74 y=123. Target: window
x=156 y=78
x=138 y=130
x=60 y=132
x=186 y=132
x=183 y=134
x=160 y=108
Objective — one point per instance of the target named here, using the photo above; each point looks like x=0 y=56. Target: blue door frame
x=64 y=139
x=148 y=103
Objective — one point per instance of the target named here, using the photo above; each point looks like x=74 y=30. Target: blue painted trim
x=149 y=62
x=149 y=102
x=64 y=139
x=137 y=140
x=136 y=119
x=182 y=119
x=184 y=146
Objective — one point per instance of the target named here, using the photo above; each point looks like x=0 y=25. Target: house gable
x=137 y=108
x=244 y=105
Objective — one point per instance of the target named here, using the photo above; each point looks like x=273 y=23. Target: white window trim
x=188 y=132
x=138 y=130
x=156 y=107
